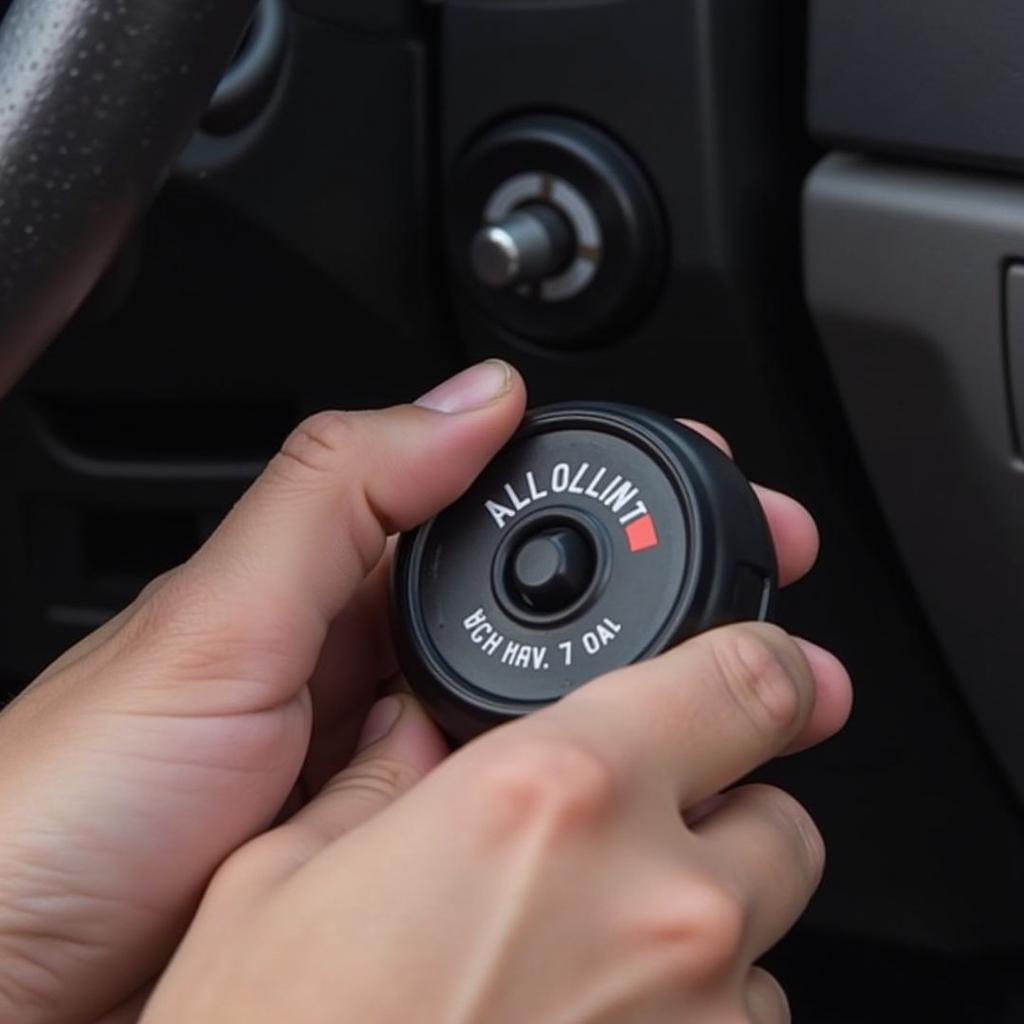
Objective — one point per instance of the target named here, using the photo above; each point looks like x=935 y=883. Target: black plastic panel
x=698 y=92
x=707 y=96
x=148 y=421
x=340 y=170
x=942 y=79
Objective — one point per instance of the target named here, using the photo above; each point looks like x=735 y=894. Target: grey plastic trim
x=905 y=277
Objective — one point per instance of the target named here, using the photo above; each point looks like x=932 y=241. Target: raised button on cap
x=552 y=570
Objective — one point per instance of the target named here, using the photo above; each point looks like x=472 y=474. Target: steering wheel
x=96 y=99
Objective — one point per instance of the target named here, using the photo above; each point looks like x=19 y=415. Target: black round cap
x=600 y=536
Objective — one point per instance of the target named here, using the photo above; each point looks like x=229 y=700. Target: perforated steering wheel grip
x=96 y=99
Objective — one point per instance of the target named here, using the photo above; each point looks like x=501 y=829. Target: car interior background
x=811 y=218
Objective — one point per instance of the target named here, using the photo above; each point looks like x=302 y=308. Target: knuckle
x=378 y=780
x=715 y=922
x=332 y=448
x=556 y=784
x=160 y=611
x=754 y=675
x=317 y=445
x=194 y=634
x=697 y=928
x=155 y=586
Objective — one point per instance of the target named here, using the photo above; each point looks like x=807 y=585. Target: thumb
x=398 y=746
x=293 y=551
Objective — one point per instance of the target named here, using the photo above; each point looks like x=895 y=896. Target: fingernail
x=471 y=389
x=379 y=722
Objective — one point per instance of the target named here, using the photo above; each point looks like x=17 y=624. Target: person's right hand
x=575 y=867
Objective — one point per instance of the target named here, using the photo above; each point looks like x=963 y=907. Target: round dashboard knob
x=527 y=246
x=601 y=535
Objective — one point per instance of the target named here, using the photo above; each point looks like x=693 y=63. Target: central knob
x=530 y=244
x=552 y=570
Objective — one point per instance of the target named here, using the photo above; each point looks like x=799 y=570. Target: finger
x=710 y=434
x=700 y=716
x=833 y=700
x=772 y=854
x=287 y=559
x=792 y=527
x=397 y=747
x=342 y=696
x=357 y=656
x=794 y=533
x=766 y=1000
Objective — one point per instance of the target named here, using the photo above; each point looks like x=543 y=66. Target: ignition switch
x=555 y=231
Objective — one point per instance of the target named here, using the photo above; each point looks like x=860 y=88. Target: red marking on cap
x=642 y=534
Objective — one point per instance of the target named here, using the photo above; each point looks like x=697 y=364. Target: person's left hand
x=231 y=689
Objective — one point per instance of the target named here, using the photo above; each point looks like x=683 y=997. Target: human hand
x=158 y=745
x=153 y=749
x=574 y=867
